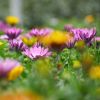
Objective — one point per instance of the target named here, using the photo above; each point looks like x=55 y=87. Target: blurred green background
x=38 y=12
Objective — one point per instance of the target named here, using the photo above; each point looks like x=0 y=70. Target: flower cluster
x=56 y=40
x=84 y=34
x=17 y=44
x=56 y=62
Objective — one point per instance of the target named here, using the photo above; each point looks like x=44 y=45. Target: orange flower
x=89 y=19
x=20 y=96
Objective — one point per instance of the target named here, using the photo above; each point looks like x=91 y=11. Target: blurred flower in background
x=94 y=72
x=97 y=40
x=10 y=69
x=40 y=32
x=3 y=26
x=87 y=60
x=89 y=19
x=68 y=27
x=12 y=20
x=20 y=95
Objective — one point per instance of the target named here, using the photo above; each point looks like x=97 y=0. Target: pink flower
x=17 y=44
x=13 y=33
x=4 y=37
x=97 y=39
x=87 y=34
x=37 y=51
x=76 y=32
x=40 y=32
x=84 y=34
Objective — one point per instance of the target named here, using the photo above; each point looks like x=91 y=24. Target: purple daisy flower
x=76 y=32
x=3 y=26
x=13 y=33
x=87 y=34
x=17 y=44
x=6 y=66
x=40 y=32
x=37 y=51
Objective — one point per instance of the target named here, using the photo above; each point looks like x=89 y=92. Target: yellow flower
x=29 y=41
x=12 y=20
x=56 y=37
x=76 y=64
x=94 y=72
x=89 y=19
x=55 y=40
x=15 y=72
x=1 y=43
